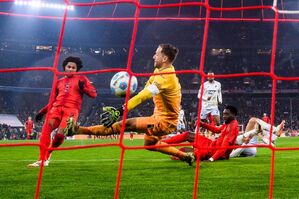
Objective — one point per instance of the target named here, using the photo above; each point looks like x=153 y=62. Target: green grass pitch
x=92 y=173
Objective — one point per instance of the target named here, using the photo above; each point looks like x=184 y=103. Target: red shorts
x=202 y=147
x=29 y=131
x=61 y=114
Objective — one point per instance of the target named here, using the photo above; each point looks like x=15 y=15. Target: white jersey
x=212 y=91
x=181 y=123
x=181 y=116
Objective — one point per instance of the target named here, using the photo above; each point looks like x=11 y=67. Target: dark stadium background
x=233 y=47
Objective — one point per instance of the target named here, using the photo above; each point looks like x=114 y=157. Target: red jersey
x=68 y=93
x=29 y=125
x=229 y=133
x=266 y=119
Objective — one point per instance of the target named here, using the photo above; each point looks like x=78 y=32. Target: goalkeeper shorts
x=154 y=126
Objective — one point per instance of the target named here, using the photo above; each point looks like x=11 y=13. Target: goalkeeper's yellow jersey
x=167 y=101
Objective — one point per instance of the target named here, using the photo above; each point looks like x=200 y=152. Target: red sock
x=177 y=138
x=57 y=141
x=212 y=122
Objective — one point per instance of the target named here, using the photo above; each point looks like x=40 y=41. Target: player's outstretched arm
x=86 y=87
x=212 y=128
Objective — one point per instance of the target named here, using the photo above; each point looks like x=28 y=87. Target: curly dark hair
x=76 y=60
x=232 y=109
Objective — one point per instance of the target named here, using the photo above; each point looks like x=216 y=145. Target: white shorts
x=181 y=126
x=249 y=152
x=239 y=140
x=205 y=112
x=243 y=152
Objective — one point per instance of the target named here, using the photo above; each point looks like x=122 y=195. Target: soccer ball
x=120 y=82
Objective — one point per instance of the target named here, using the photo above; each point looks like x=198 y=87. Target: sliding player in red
x=186 y=136
x=228 y=135
x=211 y=152
x=69 y=95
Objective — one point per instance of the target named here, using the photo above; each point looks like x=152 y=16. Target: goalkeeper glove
x=110 y=115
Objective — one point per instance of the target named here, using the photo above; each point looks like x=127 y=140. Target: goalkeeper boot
x=183 y=149
x=38 y=164
x=189 y=158
x=69 y=129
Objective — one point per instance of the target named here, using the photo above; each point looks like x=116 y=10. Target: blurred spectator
x=29 y=125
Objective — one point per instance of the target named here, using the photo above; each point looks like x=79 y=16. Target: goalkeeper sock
x=170 y=150
x=99 y=130
x=183 y=149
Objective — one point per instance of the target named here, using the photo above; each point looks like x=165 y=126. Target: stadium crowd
x=251 y=107
x=11 y=133
x=24 y=93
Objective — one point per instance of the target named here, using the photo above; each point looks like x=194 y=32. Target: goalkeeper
x=165 y=90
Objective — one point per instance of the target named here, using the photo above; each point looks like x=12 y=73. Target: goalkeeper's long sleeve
x=142 y=96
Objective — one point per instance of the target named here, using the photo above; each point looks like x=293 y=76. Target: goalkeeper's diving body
x=165 y=90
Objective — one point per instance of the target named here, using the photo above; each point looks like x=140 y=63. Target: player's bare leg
x=275 y=129
x=251 y=124
x=280 y=128
x=255 y=125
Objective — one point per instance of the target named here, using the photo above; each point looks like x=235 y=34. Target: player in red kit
x=265 y=118
x=228 y=134
x=67 y=103
x=29 y=125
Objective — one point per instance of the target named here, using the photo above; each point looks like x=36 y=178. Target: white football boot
x=38 y=163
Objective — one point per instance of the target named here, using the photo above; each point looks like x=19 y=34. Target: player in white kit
x=255 y=128
x=211 y=98
x=181 y=127
x=182 y=121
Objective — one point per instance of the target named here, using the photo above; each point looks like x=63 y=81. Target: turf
x=92 y=173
